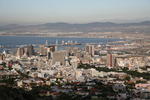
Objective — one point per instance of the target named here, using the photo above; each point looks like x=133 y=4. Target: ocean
x=8 y=42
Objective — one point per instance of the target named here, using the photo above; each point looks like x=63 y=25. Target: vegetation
x=8 y=81
x=125 y=70
x=8 y=93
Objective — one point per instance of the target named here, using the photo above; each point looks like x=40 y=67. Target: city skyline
x=73 y=11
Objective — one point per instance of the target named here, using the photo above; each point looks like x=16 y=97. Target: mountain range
x=49 y=28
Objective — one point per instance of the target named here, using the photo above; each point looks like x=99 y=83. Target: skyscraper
x=26 y=50
x=111 y=60
x=30 y=50
x=90 y=49
x=2 y=57
x=59 y=56
x=20 y=52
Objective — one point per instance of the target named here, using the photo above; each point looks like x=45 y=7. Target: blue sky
x=73 y=11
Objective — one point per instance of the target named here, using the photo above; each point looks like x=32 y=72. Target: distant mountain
x=48 y=28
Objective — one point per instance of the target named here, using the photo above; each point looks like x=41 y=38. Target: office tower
x=49 y=55
x=29 y=50
x=90 y=49
x=111 y=60
x=59 y=56
x=20 y=52
x=2 y=57
x=50 y=49
x=26 y=51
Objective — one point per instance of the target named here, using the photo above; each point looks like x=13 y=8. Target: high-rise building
x=111 y=60
x=30 y=50
x=49 y=55
x=50 y=49
x=46 y=50
x=20 y=52
x=90 y=49
x=59 y=56
x=2 y=57
x=26 y=51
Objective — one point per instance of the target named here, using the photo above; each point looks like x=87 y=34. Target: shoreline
x=62 y=37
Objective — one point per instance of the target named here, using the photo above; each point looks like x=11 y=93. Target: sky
x=73 y=11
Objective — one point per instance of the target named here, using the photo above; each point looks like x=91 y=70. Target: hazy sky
x=72 y=11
